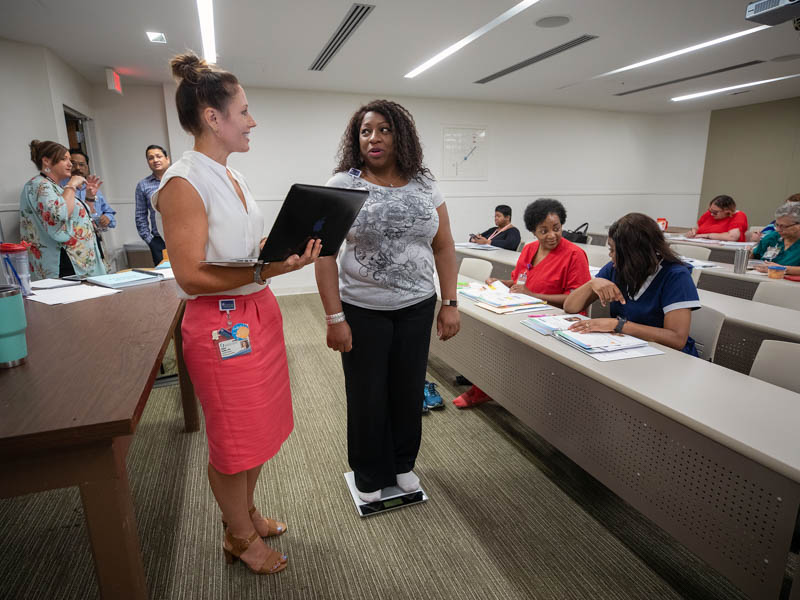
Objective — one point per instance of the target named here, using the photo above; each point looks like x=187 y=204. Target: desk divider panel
x=730 y=286
x=731 y=511
x=737 y=345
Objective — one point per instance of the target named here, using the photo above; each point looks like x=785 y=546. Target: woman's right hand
x=606 y=291
x=76 y=181
x=339 y=337
x=691 y=233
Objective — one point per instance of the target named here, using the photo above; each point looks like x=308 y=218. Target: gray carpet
x=509 y=517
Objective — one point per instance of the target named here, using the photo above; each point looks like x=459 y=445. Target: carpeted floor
x=509 y=517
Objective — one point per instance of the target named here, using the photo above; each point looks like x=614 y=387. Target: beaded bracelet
x=335 y=318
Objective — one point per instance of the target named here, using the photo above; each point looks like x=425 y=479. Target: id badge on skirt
x=234 y=340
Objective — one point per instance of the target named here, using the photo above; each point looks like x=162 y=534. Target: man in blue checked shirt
x=158 y=161
x=103 y=216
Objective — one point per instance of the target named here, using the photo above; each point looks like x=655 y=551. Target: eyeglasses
x=781 y=227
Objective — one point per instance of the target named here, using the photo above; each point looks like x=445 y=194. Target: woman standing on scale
x=232 y=328
x=379 y=305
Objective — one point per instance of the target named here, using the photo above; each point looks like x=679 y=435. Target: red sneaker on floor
x=470 y=398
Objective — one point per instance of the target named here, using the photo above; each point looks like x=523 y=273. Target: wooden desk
x=741 y=285
x=68 y=414
x=747 y=324
x=503 y=261
x=708 y=454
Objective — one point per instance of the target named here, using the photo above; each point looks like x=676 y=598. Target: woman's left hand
x=594 y=326
x=93 y=183
x=448 y=322
x=261 y=243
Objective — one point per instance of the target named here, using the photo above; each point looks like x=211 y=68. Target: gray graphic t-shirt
x=387 y=263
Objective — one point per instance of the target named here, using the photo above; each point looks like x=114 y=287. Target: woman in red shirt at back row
x=721 y=222
x=549 y=268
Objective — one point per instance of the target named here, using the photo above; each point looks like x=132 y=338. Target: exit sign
x=113 y=82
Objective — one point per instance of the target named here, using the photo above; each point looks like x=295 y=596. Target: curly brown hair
x=406 y=141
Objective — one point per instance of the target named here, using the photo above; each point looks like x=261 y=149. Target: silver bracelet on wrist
x=335 y=318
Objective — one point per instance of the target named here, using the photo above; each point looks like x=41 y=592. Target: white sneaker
x=408 y=482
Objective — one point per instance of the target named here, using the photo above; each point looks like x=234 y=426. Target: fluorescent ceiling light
x=732 y=87
x=514 y=10
x=205 y=8
x=156 y=37
x=694 y=48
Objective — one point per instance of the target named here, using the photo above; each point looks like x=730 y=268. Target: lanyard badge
x=235 y=339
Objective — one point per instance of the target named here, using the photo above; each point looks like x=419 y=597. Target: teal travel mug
x=13 y=347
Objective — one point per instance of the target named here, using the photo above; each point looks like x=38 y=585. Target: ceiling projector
x=772 y=12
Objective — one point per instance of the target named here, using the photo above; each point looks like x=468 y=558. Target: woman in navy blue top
x=651 y=291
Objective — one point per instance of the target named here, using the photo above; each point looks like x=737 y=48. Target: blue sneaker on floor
x=432 y=400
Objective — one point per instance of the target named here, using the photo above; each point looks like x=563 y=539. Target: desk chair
x=696 y=276
x=597 y=255
x=589 y=239
x=521 y=245
x=778 y=295
x=476 y=268
x=706 y=325
x=691 y=251
x=776 y=363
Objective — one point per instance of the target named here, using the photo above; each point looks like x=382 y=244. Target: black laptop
x=308 y=212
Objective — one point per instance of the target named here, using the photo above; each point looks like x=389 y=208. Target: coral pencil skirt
x=246 y=400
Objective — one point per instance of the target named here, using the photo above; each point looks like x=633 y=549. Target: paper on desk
x=70 y=294
x=473 y=246
x=699 y=264
x=628 y=353
x=47 y=284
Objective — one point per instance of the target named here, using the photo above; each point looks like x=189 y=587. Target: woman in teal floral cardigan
x=56 y=225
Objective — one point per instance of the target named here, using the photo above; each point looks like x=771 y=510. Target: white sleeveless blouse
x=232 y=231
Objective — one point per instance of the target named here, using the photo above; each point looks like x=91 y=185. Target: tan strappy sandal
x=234 y=547
x=274 y=528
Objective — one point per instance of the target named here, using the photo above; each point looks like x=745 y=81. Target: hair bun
x=34 y=146
x=188 y=67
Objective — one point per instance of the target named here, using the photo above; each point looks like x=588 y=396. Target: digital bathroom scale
x=391 y=498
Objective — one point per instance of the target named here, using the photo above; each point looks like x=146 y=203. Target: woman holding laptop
x=232 y=328
x=380 y=303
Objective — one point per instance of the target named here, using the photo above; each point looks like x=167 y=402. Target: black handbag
x=579 y=235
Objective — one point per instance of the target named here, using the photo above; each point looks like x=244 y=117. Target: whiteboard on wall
x=465 y=152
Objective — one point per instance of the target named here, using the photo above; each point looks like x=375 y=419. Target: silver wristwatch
x=257 y=274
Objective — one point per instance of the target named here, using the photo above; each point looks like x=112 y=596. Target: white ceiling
x=271 y=43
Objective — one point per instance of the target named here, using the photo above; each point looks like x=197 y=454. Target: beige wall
x=753 y=155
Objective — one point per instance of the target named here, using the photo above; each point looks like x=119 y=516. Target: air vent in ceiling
x=698 y=76
x=354 y=17
x=539 y=57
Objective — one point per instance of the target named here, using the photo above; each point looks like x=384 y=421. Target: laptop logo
x=318 y=225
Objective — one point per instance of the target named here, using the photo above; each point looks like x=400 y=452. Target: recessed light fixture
x=205 y=9
x=514 y=10
x=682 y=51
x=550 y=22
x=732 y=87
x=156 y=37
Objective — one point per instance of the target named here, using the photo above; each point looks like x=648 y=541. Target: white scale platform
x=391 y=498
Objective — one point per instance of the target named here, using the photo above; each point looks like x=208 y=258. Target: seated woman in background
x=780 y=247
x=549 y=268
x=56 y=224
x=721 y=222
x=756 y=236
x=651 y=292
x=503 y=234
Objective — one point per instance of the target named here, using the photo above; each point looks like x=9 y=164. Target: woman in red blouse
x=721 y=222
x=549 y=268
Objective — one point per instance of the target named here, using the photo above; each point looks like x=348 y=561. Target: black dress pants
x=384 y=379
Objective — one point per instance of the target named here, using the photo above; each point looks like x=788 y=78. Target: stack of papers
x=600 y=346
x=473 y=246
x=498 y=299
x=699 y=264
x=67 y=295
x=49 y=284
